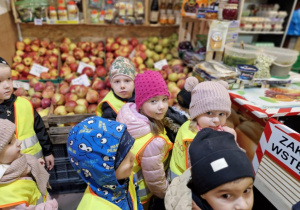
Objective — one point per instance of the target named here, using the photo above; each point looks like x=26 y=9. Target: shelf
x=262 y=32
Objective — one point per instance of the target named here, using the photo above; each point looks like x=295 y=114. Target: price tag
x=37 y=69
x=82 y=65
x=38 y=22
x=18 y=84
x=81 y=80
x=132 y=54
x=160 y=64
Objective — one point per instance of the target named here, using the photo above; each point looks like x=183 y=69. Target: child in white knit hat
x=23 y=180
x=210 y=107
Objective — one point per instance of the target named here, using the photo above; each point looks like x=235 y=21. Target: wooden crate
x=190 y=27
x=58 y=127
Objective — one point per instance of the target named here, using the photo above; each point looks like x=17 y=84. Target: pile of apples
x=78 y=99
x=159 y=48
x=88 y=52
x=38 y=51
x=118 y=46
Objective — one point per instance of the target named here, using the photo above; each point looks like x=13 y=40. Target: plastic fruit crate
x=60 y=151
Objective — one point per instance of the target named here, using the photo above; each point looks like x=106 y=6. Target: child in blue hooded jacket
x=99 y=149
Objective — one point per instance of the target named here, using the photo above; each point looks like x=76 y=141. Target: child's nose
x=241 y=203
x=216 y=119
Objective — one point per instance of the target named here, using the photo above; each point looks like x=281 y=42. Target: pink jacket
x=151 y=160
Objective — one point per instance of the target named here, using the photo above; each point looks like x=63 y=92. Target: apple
x=45 y=75
x=124 y=42
x=72 y=46
x=17 y=59
x=34 y=48
x=73 y=67
x=65 y=70
x=36 y=42
x=44 y=43
x=173 y=77
x=80 y=109
x=70 y=105
x=52 y=45
x=108 y=47
x=55 y=52
x=81 y=91
x=53 y=72
x=91 y=109
x=46 y=102
x=110 y=40
x=88 y=71
x=20 y=53
x=115 y=46
x=47 y=92
x=171 y=101
x=101 y=71
x=92 y=96
x=20 y=67
x=64 y=47
x=94 y=51
x=31 y=91
x=20 y=92
x=98 y=61
x=60 y=110
x=98 y=85
x=20 y=45
x=71 y=97
x=85 y=59
x=82 y=101
x=58 y=99
x=36 y=102
x=142 y=66
x=181 y=76
x=42 y=51
x=70 y=59
x=39 y=87
x=134 y=42
x=101 y=54
x=27 y=61
x=139 y=60
x=107 y=82
x=33 y=81
x=27 y=48
x=70 y=77
x=163 y=74
x=27 y=41
x=64 y=89
x=103 y=93
x=37 y=95
x=180 y=83
x=141 y=47
x=66 y=40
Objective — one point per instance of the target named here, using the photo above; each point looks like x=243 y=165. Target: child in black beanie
x=221 y=175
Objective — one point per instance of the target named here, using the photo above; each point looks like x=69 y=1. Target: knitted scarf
x=24 y=165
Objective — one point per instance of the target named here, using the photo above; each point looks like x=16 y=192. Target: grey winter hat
x=216 y=159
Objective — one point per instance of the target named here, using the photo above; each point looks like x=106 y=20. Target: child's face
x=232 y=195
x=211 y=119
x=11 y=151
x=6 y=87
x=125 y=168
x=156 y=107
x=123 y=86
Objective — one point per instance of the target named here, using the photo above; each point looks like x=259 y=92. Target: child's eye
x=248 y=190
x=127 y=81
x=226 y=196
x=221 y=114
x=209 y=113
x=153 y=101
x=9 y=142
x=165 y=99
x=8 y=78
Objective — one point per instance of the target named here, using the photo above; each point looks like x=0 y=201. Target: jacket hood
x=137 y=124
x=93 y=147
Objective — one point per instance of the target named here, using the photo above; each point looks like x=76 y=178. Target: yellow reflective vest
x=24 y=120
x=113 y=102
x=91 y=201
x=138 y=148
x=19 y=192
x=179 y=159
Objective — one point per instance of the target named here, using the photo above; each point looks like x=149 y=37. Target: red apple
x=65 y=70
x=44 y=43
x=46 y=102
x=33 y=81
x=36 y=102
x=48 y=92
x=180 y=83
x=64 y=89
x=42 y=51
x=92 y=108
x=39 y=87
x=36 y=42
x=134 y=42
x=92 y=96
x=64 y=47
x=98 y=61
x=70 y=105
x=94 y=51
x=27 y=61
x=98 y=85
x=70 y=59
x=20 y=45
x=27 y=48
x=34 y=47
x=81 y=91
x=73 y=67
x=115 y=46
x=103 y=93
x=20 y=92
x=45 y=75
x=66 y=40
x=37 y=95
x=101 y=71
x=110 y=40
x=51 y=45
x=71 y=97
x=88 y=71
x=70 y=77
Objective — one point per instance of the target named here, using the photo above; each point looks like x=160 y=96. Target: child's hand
x=49 y=161
x=41 y=160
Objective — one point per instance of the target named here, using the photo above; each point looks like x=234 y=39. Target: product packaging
x=217 y=35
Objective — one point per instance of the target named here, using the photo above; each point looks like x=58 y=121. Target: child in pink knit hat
x=210 y=106
x=144 y=122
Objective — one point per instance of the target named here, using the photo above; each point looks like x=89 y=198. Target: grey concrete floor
x=68 y=201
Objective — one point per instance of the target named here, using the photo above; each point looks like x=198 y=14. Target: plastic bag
x=263 y=63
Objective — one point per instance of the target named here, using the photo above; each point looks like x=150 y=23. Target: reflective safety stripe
x=144 y=192
x=29 y=142
x=35 y=150
x=172 y=175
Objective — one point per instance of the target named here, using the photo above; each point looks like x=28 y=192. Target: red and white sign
x=282 y=145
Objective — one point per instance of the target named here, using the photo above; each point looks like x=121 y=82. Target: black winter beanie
x=184 y=98
x=216 y=159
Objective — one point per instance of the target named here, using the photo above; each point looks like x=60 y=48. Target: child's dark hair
x=2 y=61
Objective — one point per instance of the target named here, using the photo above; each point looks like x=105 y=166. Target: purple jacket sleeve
x=153 y=167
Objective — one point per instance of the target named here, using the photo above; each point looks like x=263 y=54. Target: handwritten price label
x=38 y=22
x=18 y=84
x=82 y=65
x=81 y=80
x=37 y=69
x=160 y=64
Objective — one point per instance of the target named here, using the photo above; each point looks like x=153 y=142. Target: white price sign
x=132 y=54
x=81 y=80
x=82 y=65
x=160 y=64
x=37 y=69
x=18 y=84
x=38 y=22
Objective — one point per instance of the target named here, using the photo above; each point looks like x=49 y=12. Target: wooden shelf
x=262 y=32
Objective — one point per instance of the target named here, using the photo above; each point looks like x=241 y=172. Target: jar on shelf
x=72 y=10
x=222 y=4
x=171 y=19
x=277 y=27
x=52 y=13
x=163 y=19
x=62 y=13
x=267 y=27
x=258 y=27
x=94 y=16
x=230 y=12
x=233 y=1
x=211 y=14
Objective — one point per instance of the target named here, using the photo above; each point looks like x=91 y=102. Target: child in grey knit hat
x=23 y=180
x=210 y=107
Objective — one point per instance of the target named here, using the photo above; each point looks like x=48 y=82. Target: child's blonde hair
x=193 y=126
x=156 y=126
